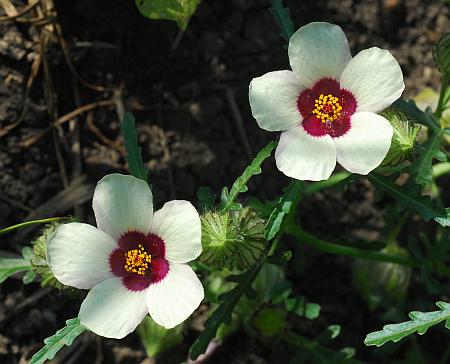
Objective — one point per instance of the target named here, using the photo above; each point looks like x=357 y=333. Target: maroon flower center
x=139 y=260
x=326 y=108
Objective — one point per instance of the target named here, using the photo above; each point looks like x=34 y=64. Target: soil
x=189 y=94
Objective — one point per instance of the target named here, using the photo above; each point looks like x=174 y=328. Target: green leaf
x=240 y=185
x=133 y=157
x=422 y=204
x=156 y=339
x=179 y=11
x=9 y=266
x=420 y=322
x=422 y=168
x=55 y=343
x=223 y=313
x=282 y=208
x=409 y=108
x=441 y=53
x=283 y=19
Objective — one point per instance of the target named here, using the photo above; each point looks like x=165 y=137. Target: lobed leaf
x=9 y=266
x=133 y=157
x=420 y=322
x=223 y=313
x=179 y=11
x=422 y=168
x=240 y=185
x=405 y=195
x=55 y=343
x=282 y=208
x=283 y=18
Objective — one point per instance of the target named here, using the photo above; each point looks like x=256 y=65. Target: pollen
x=137 y=260
x=327 y=108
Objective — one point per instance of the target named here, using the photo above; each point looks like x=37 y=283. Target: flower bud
x=233 y=240
x=404 y=137
x=441 y=53
x=382 y=282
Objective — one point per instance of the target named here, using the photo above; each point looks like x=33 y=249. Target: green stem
x=392 y=236
x=441 y=104
x=339 y=249
x=23 y=224
x=334 y=180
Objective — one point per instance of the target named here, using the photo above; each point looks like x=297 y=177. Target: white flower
x=326 y=106
x=134 y=263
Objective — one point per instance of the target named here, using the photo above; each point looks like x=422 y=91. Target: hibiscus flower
x=134 y=262
x=326 y=106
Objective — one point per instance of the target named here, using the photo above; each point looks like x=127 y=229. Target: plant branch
x=333 y=248
x=23 y=224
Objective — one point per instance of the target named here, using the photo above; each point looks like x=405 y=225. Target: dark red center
x=306 y=105
x=154 y=246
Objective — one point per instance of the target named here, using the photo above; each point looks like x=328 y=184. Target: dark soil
x=181 y=88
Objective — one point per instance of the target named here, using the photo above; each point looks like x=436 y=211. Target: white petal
x=122 y=203
x=78 y=255
x=273 y=100
x=365 y=145
x=111 y=310
x=178 y=224
x=375 y=79
x=318 y=50
x=175 y=298
x=305 y=157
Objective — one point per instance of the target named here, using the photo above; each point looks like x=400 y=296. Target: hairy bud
x=233 y=240
x=382 y=283
x=404 y=138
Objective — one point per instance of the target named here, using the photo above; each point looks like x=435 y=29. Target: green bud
x=382 y=283
x=270 y=321
x=404 y=137
x=233 y=240
x=441 y=53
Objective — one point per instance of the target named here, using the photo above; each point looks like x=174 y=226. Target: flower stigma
x=327 y=108
x=137 y=260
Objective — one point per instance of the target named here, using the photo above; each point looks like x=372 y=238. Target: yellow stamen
x=327 y=108
x=137 y=260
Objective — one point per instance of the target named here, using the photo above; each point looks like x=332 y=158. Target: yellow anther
x=327 y=108
x=137 y=260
